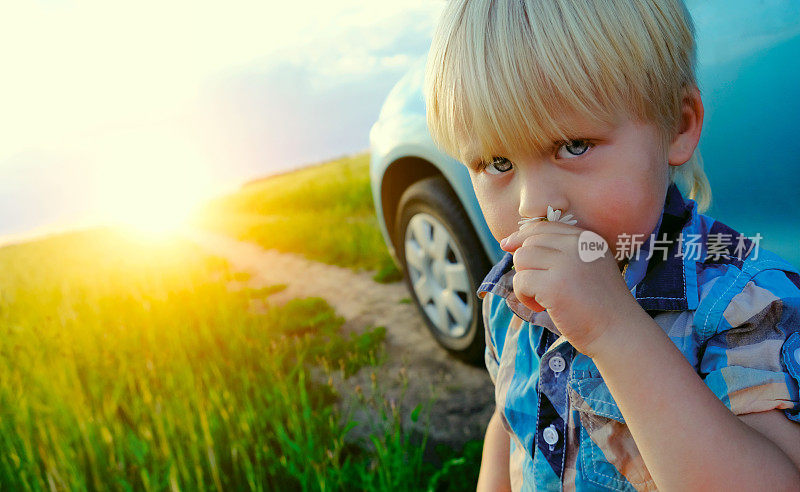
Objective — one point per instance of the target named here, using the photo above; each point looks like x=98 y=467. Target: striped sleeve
x=752 y=361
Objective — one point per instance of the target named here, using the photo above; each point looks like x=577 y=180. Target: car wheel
x=443 y=265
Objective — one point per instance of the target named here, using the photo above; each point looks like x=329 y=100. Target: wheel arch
x=404 y=172
x=399 y=175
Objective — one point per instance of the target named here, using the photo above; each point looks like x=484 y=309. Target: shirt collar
x=658 y=283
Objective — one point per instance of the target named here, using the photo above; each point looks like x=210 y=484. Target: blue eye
x=498 y=165
x=575 y=147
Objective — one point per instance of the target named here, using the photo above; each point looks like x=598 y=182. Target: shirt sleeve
x=490 y=355
x=752 y=362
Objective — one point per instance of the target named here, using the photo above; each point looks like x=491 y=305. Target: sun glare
x=154 y=216
x=155 y=190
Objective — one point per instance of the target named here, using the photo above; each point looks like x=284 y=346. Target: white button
x=797 y=355
x=557 y=363
x=550 y=435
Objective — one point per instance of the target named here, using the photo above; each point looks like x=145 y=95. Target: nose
x=537 y=191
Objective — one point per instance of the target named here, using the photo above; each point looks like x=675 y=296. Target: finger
x=536 y=257
x=531 y=303
x=515 y=239
x=526 y=285
x=548 y=240
x=555 y=240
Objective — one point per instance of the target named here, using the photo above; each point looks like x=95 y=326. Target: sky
x=112 y=111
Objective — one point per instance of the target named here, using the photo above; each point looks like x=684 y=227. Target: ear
x=691 y=123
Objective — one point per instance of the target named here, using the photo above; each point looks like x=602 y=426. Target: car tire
x=443 y=264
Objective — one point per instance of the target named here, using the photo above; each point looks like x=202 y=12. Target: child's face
x=613 y=182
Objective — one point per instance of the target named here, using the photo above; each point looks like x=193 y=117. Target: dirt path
x=463 y=395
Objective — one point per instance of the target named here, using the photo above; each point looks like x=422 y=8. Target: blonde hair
x=499 y=74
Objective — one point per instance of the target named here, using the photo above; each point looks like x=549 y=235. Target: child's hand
x=584 y=299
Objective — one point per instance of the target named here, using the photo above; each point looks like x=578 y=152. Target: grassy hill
x=148 y=365
x=324 y=212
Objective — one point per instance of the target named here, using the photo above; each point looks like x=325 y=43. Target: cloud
x=245 y=89
x=322 y=101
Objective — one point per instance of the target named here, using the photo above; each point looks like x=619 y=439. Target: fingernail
x=503 y=242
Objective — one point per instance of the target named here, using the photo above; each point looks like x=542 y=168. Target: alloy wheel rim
x=438 y=275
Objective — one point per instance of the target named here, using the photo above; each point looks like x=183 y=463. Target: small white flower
x=552 y=216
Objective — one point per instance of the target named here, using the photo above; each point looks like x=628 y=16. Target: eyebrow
x=470 y=162
x=473 y=162
x=588 y=132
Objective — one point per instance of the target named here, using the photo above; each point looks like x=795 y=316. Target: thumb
x=530 y=302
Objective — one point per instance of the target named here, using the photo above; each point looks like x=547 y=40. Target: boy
x=678 y=373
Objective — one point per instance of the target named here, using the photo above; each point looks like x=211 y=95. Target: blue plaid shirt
x=735 y=316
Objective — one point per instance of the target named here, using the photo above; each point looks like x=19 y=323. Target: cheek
x=498 y=209
x=630 y=212
x=643 y=211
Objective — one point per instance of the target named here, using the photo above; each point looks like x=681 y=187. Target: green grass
x=132 y=365
x=324 y=212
